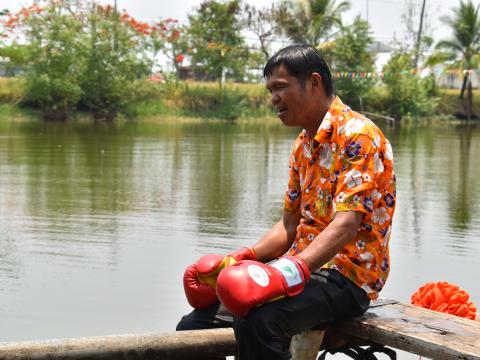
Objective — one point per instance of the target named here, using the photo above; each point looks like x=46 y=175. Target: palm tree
x=309 y=21
x=464 y=47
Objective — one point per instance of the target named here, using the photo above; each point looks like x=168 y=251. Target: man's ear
x=316 y=81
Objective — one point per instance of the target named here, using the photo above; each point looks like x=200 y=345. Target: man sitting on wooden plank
x=333 y=239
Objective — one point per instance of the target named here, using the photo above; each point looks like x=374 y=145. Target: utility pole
x=419 y=35
x=367 y=9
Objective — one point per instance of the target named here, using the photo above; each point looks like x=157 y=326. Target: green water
x=98 y=221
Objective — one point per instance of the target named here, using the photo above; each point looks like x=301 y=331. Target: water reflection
x=98 y=221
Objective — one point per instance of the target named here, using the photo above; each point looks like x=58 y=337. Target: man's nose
x=275 y=98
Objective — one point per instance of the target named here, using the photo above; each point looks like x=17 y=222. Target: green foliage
x=79 y=54
x=52 y=77
x=463 y=49
x=216 y=40
x=351 y=55
x=450 y=104
x=17 y=56
x=407 y=93
x=228 y=103
x=113 y=56
x=465 y=43
x=309 y=21
x=12 y=90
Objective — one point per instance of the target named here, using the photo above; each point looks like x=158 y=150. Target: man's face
x=289 y=97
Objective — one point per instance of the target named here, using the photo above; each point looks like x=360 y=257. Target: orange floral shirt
x=346 y=166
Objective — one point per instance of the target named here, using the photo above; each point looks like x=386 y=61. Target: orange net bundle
x=445 y=297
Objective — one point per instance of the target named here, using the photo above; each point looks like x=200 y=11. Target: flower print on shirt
x=307 y=151
x=380 y=216
x=368 y=204
x=307 y=214
x=367 y=178
x=389 y=199
x=293 y=194
x=360 y=244
x=353 y=178
x=341 y=197
x=353 y=126
x=384 y=266
x=376 y=195
x=366 y=256
x=353 y=149
x=377 y=163
x=376 y=140
x=325 y=156
x=388 y=151
x=326 y=123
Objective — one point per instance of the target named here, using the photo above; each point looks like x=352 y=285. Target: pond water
x=99 y=221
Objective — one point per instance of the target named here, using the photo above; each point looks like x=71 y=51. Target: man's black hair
x=301 y=61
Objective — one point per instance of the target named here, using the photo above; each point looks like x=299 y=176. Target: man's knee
x=187 y=322
x=263 y=320
x=196 y=320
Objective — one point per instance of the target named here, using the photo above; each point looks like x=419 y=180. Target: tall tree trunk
x=464 y=84
x=419 y=35
x=469 y=103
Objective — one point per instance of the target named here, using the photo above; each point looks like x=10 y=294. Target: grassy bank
x=205 y=100
x=210 y=101
x=451 y=104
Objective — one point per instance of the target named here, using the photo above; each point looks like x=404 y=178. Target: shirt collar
x=325 y=129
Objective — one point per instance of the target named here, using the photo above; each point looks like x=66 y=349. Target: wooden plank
x=420 y=331
x=389 y=118
x=406 y=327
x=171 y=346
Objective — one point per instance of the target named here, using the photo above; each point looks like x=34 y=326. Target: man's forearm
x=278 y=239
x=332 y=239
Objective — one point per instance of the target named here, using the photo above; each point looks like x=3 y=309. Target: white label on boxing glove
x=258 y=275
x=289 y=271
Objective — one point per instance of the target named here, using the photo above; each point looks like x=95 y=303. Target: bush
x=351 y=55
x=80 y=54
x=451 y=104
x=52 y=76
x=228 y=102
x=407 y=93
x=113 y=55
x=12 y=90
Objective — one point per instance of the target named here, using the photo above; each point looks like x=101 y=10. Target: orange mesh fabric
x=446 y=298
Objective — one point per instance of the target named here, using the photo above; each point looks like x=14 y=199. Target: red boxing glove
x=200 y=279
x=251 y=283
x=199 y=295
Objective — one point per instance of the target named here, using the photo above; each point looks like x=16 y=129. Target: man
x=335 y=230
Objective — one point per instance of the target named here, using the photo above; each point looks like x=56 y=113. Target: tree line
x=79 y=54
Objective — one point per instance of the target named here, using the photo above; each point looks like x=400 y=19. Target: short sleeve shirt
x=346 y=166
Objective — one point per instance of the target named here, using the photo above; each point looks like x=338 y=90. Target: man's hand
x=251 y=283
x=200 y=278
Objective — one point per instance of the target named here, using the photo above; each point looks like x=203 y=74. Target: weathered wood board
x=172 y=346
x=406 y=327
x=420 y=331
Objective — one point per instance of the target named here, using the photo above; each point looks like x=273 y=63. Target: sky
x=384 y=16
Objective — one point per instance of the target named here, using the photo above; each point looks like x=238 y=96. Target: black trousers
x=265 y=333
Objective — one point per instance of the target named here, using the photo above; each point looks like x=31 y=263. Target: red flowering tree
x=116 y=55
x=170 y=38
x=53 y=66
x=80 y=53
x=215 y=36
